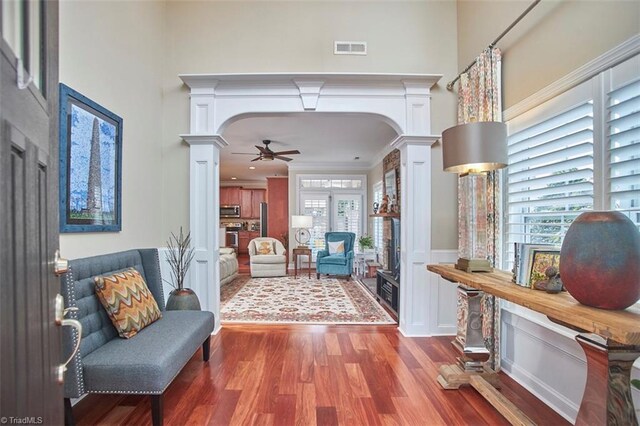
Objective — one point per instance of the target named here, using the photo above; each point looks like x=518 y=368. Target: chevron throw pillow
x=128 y=301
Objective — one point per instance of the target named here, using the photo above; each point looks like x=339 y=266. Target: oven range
x=232 y=236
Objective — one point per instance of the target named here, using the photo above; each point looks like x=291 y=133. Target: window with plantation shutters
x=550 y=174
x=316 y=205
x=348 y=215
x=378 y=224
x=575 y=152
x=336 y=203
x=623 y=131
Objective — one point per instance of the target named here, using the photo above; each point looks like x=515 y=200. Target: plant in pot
x=366 y=243
x=179 y=257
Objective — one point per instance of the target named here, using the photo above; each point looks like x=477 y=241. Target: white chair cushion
x=268 y=259
x=336 y=247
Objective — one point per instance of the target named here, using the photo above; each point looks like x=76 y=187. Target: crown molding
x=603 y=62
x=403 y=140
x=207 y=80
x=330 y=165
x=217 y=140
x=250 y=184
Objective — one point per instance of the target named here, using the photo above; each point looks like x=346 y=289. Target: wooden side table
x=301 y=251
x=372 y=267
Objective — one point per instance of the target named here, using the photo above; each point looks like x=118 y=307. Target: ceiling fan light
x=264 y=158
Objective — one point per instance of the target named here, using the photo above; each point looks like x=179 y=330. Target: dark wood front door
x=29 y=337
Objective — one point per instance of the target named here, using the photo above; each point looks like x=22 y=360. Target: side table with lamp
x=301 y=224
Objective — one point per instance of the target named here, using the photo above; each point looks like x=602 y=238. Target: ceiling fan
x=266 y=154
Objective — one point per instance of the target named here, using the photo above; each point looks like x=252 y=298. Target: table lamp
x=472 y=150
x=302 y=224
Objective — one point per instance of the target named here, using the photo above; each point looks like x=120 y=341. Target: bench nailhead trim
x=71 y=291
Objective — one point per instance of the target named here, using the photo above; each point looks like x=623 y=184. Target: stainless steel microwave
x=230 y=211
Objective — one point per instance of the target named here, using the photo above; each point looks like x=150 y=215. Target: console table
x=610 y=340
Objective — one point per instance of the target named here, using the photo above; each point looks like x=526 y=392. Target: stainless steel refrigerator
x=263 y=219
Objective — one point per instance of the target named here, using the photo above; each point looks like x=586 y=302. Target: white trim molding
x=217 y=140
x=442 y=297
x=607 y=60
x=401 y=100
x=415 y=231
x=326 y=165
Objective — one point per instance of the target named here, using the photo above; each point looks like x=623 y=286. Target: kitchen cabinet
x=245 y=203
x=229 y=195
x=244 y=237
x=257 y=197
x=277 y=206
x=248 y=199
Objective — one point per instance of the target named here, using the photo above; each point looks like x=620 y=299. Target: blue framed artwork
x=90 y=165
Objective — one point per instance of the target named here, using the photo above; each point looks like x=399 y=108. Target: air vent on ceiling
x=349 y=47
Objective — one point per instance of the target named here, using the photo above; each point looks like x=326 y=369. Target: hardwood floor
x=243 y=264
x=307 y=375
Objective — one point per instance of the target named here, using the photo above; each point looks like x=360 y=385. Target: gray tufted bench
x=145 y=364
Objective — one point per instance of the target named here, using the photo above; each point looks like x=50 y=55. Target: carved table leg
x=469 y=343
x=607 y=395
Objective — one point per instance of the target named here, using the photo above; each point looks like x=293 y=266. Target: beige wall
x=127 y=55
x=556 y=37
x=211 y=37
x=148 y=44
x=112 y=52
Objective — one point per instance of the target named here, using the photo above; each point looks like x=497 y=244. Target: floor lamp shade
x=475 y=147
x=471 y=150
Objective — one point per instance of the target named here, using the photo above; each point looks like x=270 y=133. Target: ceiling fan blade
x=244 y=153
x=262 y=149
x=295 y=151
x=256 y=159
x=282 y=158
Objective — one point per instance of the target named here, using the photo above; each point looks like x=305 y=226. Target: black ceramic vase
x=183 y=300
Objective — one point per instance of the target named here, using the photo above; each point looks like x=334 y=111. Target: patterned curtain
x=480 y=99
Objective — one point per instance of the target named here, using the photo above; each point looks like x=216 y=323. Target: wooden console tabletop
x=620 y=326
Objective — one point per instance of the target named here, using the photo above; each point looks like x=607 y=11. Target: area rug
x=302 y=300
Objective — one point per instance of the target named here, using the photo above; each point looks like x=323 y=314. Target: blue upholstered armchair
x=336 y=264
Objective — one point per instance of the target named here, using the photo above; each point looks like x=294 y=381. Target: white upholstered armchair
x=268 y=257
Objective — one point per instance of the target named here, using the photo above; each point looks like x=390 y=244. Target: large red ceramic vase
x=600 y=260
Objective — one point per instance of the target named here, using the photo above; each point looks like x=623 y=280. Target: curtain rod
x=494 y=42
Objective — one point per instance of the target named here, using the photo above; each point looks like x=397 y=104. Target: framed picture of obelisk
x=90 y=165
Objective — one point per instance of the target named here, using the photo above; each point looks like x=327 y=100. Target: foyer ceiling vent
x=349 y=47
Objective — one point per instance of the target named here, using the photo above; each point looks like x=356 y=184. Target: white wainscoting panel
x=545 y=359
x=442 y=296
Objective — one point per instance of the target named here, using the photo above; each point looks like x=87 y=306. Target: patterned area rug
x=300 y=300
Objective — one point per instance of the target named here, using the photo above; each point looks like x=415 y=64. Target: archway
x=402 y=100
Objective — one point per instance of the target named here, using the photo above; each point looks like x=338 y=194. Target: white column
x=415 y=223
x=204 y=218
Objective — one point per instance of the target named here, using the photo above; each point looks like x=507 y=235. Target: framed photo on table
x=540 y=261
x=523 y=261
x=90 y=165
